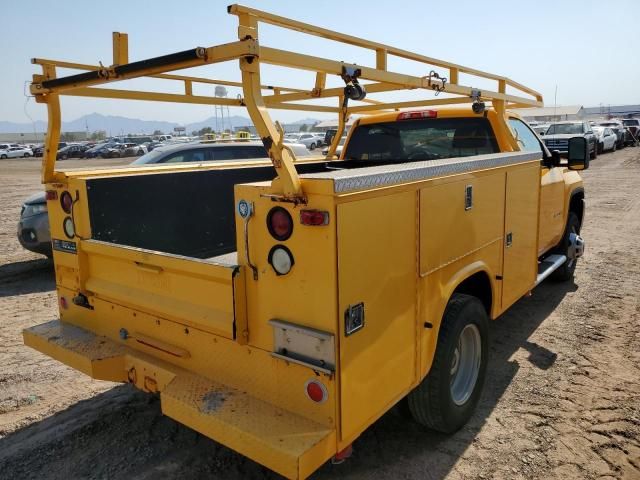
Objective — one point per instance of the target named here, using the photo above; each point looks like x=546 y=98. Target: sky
x=586 y=49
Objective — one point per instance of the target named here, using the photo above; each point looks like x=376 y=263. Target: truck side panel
x=521 y=221
x=457 y=242
x=376 y=266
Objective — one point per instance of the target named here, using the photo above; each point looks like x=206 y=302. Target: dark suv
x=558 y=134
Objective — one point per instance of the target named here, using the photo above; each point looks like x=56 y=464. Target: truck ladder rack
x=47 y=86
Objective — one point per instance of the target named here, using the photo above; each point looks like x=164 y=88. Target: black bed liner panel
x=184 y=213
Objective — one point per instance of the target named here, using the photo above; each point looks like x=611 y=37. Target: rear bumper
x=283 y=441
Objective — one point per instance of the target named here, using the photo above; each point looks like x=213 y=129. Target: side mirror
x=555 y=157
x=578 y=154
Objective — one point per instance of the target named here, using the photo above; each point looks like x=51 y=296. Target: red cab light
x=51 y=195
x=314 y=217
x=279 y=223
x=316 y=391
x=416 y=115
x=66 y=202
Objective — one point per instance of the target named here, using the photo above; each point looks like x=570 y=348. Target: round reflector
x=68 y=227
x=281 y=259
x=316 y=391
x=66 y=202
x=279 y=223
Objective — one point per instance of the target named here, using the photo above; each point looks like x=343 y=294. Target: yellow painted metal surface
x=552 y=208
x=520 y=223
x=448 y=230
x=377 y=266
x=196 y=293
x=288 y=443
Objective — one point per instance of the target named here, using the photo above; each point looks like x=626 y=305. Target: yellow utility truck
x=281 y=306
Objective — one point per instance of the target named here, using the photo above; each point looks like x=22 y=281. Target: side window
x=223 y=153
x=527 y=140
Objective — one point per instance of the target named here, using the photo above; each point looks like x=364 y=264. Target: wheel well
x=478 y=285
x=576 y=205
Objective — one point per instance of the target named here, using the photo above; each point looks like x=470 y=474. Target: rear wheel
x=446 y=398
x=312 y=146
x=3 y=156
x=594 y=153
x=614 y=148
x=566 y=271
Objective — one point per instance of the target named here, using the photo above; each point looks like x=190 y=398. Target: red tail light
x=66 y=202
x=51 y=195
x=279 y=223
x=316 y=391
x=314 y=217
x=63 y=303
x=418 y=115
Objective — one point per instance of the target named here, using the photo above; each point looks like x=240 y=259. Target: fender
x=436 y=310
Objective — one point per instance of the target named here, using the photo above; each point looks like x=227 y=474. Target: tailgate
x=203 y=294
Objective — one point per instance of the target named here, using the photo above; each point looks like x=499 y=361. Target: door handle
x=149 y=268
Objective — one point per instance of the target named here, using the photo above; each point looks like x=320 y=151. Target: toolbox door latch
x=353 y=318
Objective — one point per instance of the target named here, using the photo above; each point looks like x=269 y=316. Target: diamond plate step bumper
x=285 y=442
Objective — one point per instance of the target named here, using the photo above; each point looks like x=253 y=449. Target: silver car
x=212 y=151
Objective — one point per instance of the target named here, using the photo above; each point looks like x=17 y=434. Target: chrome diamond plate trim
x=385 y=175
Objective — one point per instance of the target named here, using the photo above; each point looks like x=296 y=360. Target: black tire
x=3 y=156
x=312 y=146
x=614 y=148
x=26 y=155
x=566 y=271
x=600 y=147
x=431 y=403
x=594 y=154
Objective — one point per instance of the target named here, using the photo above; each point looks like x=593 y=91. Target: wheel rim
x=465 y=364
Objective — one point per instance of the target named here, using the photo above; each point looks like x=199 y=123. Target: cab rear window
x=424 y=139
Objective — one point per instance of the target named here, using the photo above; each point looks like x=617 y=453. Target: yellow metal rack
x=47 y=87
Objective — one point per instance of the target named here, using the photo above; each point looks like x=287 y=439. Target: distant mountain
x=116 y=125
x=12 y=127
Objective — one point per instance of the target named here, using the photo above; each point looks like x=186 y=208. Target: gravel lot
x=562 y=399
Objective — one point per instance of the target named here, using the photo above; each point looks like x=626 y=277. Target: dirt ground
x=562 y=399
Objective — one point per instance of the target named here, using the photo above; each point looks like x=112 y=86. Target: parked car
x=135 y=150
x=39 y=151
x=541 y=128
x=607 y=139
x=311 y=140
x=558 y=134
x=33 y=226
x=623 y=135
x=207 y=151
x=71 y=151
x=16 y=152
x=97 y=150
x=7 y=146
x=343 y=139
x=633 y=126
x=118 y=150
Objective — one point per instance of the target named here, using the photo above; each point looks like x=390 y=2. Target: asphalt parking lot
x=562 y=398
